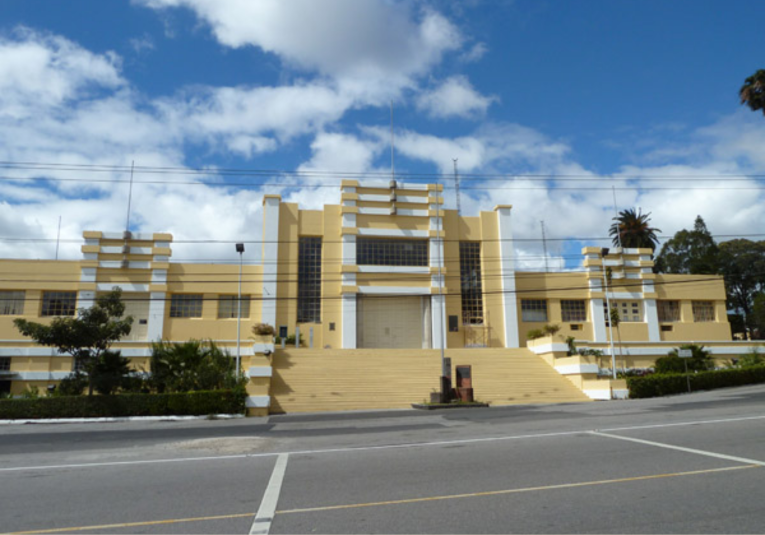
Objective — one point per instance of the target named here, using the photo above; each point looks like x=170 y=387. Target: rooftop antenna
x=130 y=197
x=544 y=245
x=58 y=236
x=457 y=185
x=616 y=215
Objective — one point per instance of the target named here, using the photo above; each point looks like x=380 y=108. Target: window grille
x=629 y=311
x=534 y=310
x=470 y=282
x=573 y=310
x=669 y=311
x=186 y=306
x=11 y=303
x=309 y=280
x=5 y=364
x=703 y=311
x=228 y=306
x=59 y=303
x=391 y=252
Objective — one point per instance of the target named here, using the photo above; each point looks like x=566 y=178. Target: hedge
x=656 y=385
x=184 y=404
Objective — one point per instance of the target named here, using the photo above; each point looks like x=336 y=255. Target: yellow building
x=375 y=286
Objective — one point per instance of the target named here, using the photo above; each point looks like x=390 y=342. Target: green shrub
x=674 y=383
x=533 y=334
x=551 y=329
x=191 y=366
x=672 y=363
x=751 y=358
x=186 y=404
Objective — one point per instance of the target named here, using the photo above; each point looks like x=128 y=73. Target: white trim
x=348 y=279
x=613 y=263
x=116 y=264
x=256 y=349
x=108 y=286
x=620 y=393
x=411 y=212
x=162 y=244
x=369 y=197
x=156 y=324
x=576 y=369
x=394 y=232
x=414 y=199
x=598 y=320
x=632 y=263
x=257 y=402
x=34 y=351
x=159 y=276
x=436 y=252
x=260 y=371
x=626 y=295
x=161 y=258
x=601 y=394
x=349 y=203
x=349 y=220
x=438 y=320
x=135 y=236
x=651 y=317
x=40 y=376
x=349 y=249
x=88 y=275
x=668 y=346
x=549 y=348
x=394 y=269
x=90 y=256
x=437 y=280
x=348 y=189
x=395 y=290
x=92 y=241
x=86 y=299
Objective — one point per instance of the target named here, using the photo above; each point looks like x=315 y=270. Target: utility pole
x=457 y=185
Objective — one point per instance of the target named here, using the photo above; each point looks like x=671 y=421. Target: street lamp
x=603 y=253
x=240 y=250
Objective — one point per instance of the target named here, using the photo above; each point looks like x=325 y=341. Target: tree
x=701 y=360
x=634 y=230
x=742 y=264
x=752 y=93
x=189 y=366
x=86 y=337
x=690 y=252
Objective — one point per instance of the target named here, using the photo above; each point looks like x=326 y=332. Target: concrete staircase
x=306 y=380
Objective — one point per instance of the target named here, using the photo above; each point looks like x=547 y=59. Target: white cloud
x=455 y=97
x=142 y=43
x=475 y=53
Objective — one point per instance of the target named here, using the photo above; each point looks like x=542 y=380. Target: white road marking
x=262 y=523
x=680 y=448
x=368 y=448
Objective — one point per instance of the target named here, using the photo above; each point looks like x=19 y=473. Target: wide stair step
x=308 y=380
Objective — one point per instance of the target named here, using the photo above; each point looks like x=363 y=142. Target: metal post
x=603 y=253
x=240 y=250
x=442 y=311
x=687 y=377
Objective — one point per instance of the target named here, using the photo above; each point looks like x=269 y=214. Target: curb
x=123 y=419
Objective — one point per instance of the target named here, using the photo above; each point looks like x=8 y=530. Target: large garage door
x=394 y=322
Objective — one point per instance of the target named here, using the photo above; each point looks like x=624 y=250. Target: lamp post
x=240 y=250
x=603 y=253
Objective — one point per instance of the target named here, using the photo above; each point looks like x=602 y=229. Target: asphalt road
x=686 y=464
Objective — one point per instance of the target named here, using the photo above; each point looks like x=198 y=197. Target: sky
x=566 y=109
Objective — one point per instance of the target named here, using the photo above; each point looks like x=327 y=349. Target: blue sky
x=551 y=87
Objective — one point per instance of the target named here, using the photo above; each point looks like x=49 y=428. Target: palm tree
x=752 y=93
x=632 y=229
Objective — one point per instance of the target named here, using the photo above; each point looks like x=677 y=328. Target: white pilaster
x=438 y=311
x=652 y=319
x=349 y=321
x=506 y=255
x=156 y=323
x=598 y=320
x=86 y=299
x=270 y=257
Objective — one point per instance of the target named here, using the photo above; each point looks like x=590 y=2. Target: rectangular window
x=470 y=283
x=228 y=306
x=703 y=311
x=186 y=306
x=5 y=364
x=534 y=310
x=391 y=252
x=573 y=310
x=11 y=303
x=669 y=311
x=629 y=311
x=59 y=303
x=309 y=280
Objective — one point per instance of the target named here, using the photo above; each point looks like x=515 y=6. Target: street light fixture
x=240 y=250
x=603 y=254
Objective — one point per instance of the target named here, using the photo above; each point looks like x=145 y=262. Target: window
x=629 y=311
x=5 y=364
x=309 y=280
x=11 y=303
x=470 y=282
x=703 y=311
x=573 y=310
x=228 y=306
x=58 y=303
x=186 y=306
x=391 y=252
x=534 y=310
x=669 y=311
